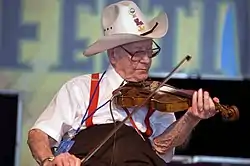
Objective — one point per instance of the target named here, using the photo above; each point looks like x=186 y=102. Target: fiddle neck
x=180 y=92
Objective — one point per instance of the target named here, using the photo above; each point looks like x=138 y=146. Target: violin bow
x=89 y=155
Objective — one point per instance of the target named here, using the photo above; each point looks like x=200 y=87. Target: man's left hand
x=203 y=105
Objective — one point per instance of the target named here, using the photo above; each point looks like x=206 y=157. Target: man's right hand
x=64 y=159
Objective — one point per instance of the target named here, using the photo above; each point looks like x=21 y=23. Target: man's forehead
x=139 y=44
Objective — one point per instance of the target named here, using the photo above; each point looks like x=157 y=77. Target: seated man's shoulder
x=79 y=81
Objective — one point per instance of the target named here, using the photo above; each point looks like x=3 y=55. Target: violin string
x=89 y=155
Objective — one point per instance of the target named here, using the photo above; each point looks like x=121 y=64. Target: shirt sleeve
x=160 y=122
x=59 y=115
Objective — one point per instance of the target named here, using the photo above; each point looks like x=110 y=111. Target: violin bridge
x=154 y=85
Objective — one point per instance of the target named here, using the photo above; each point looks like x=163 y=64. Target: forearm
x=176 y=134
x=39 y=144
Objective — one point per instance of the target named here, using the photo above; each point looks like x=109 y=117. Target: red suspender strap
x=133 y=123
x=94 y=103
x=149 y=130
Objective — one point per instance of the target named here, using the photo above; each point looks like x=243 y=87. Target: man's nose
x=146 y=58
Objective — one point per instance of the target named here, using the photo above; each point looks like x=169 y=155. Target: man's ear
x=111 y=55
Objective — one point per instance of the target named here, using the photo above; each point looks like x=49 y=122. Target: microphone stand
x=86 y=158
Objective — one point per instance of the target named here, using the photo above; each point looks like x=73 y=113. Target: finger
x=58 y=162
x=212 y=106
x=78 y=161
x=65 y=162
x=65 y=159
x=216 y=100
x=71 y=161
x=194 y=101
x=206 y=101
x=200 y=100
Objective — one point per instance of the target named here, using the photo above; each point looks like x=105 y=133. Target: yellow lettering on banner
x=40 y=54
x=89 y=28
x=188 y=36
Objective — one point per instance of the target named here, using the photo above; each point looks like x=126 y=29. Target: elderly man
x=81 y=114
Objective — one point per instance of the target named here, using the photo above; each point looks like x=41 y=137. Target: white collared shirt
x=65 y=111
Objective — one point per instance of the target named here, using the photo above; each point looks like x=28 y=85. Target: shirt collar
x=113 y=77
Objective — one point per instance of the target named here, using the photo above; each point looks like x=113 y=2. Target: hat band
x=150 y=31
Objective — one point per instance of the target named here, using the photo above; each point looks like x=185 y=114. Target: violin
x=166 y=99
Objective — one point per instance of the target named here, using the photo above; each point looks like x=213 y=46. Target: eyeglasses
x=138 y=55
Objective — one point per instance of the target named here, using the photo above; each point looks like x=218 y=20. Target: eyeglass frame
x=133 y=54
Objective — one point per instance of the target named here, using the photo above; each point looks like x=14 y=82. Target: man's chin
x=143 y=74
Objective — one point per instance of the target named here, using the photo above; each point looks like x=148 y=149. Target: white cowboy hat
x=123 y=22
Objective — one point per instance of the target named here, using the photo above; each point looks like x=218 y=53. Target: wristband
x=51 y=158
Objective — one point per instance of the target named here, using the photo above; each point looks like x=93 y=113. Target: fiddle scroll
x=166 y=99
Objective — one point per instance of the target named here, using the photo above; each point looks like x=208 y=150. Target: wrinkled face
x=132 y=61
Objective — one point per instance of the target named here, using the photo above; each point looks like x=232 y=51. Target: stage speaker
x=10 y=127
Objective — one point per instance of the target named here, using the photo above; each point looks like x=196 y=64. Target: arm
x=39 y=144
x=176 y=134
x=54 y=122
x=202 y=108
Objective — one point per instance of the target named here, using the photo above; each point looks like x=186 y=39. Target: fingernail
x=206 y=94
